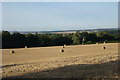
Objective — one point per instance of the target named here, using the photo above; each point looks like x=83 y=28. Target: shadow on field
x=105 y=70
x=4 y=66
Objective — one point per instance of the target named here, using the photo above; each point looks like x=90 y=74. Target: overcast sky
x=45 y=16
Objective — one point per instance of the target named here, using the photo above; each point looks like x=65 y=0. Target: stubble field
x=77 y=61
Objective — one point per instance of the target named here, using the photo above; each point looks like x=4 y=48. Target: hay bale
x=61 y=50
x=25 y=46
x=104 y=47
x=97 y=43
x=12 y=51
x=104 y=43
x=65 y=45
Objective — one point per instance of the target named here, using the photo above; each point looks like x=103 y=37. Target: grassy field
x=78 y=61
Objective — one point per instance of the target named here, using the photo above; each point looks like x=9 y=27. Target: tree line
x=18 y=40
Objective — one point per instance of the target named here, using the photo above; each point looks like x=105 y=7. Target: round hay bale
x=61 y=50
x=12 y=51
x=25 y=46
x=65 y=45
x=104 y=47
x=97 y=43
x=104 y=43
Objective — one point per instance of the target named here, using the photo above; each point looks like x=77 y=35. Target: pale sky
x=47 y=16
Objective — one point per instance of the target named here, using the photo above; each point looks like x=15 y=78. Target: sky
x=0 y=16
x=50 y=16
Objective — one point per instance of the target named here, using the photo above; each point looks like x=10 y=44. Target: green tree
x=77 y=38
x=6 y=39
x=18 y=40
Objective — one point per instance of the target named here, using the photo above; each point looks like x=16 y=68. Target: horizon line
x=60 y=30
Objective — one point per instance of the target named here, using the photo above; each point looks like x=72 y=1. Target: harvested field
x=78 y=61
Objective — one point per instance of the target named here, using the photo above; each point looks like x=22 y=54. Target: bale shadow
x=107 y=70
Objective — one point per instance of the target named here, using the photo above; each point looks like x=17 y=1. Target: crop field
x=77 y=61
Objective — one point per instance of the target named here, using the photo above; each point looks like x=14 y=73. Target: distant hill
x=65 y=31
